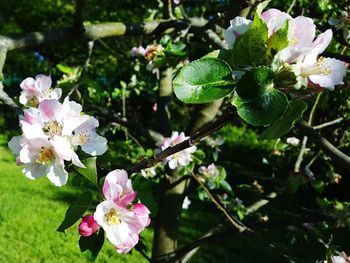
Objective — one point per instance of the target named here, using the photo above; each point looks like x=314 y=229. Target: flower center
x=83 y=137
x=293 y=40
x=319 y=68
x=34 y=102
x=52 y=128
x=45 y=156
x=112 y=217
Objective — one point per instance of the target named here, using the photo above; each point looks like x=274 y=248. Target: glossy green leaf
x=90 y=172
x=265 y=110
x=250 y=47
x=254 y=83
x=223 y=54
x=294 y=112
x=204 y=80
x=76 y=211
x=90 y=246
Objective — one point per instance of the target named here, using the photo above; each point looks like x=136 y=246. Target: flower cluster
x=182 y=158
x=301 y=55
x=52 y=132
x=209 y=173
x=120 y=218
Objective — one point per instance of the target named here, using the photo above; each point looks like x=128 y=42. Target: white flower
x=38 y=89
x=148 y=173
x=182 y=158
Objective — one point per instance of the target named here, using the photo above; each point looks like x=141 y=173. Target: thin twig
x=329 y=149
x=90 y=47
x=304 y=142
x=234 y=222
x=326 y=124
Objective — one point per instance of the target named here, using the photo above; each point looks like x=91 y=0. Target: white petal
x=337 y=73
x=14 y=144
x=96 y=146
x=238 y=26
x=32 y=131
x=34 y=170
x=172 y=163
x=43 y=83
x=57 y=175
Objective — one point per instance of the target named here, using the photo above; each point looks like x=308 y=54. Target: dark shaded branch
x=329 y=149
x=79 y=14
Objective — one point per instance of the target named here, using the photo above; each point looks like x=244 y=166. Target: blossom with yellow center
x=45 y=156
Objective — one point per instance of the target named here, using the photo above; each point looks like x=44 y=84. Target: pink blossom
x=274 y=19
x=121 y=220
x=88 y=226
x=117 y=187
x=38 y=89
x=210 y=172
x=182 y=158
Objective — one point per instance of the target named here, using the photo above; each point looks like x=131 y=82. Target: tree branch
x=209 y=129
x=329 y=149
x=97 y=31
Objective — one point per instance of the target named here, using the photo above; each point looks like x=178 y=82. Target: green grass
x=31 y=211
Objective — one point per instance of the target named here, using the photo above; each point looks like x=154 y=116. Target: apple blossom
x=87 y=138
x=210 y=172
x=181 y=158
x=121 y=220
x=117 y=187
x=40 y=158
x=88 y=226
x=148 y=172
x=274 y=19
x=38 y=89
x=52 y=131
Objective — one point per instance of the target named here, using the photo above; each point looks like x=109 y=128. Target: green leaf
x=267 y=109
x=177 y=49
x=279 y=40
x=250 y=47
x=65 y=69
x=204 y=80
x=226 y=186
x=90 y=172
x=144 y=192
x=254 y=83
x=223 y=54
x=90 y=246
x=294 y=112
x=76 y=211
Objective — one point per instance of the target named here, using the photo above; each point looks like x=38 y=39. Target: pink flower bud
x=88 y=226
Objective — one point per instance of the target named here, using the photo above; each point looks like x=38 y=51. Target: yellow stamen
x=112 y=217
x=52 y=128
x=45 y=156
x=320 y=68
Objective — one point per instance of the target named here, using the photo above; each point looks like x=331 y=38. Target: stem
x=237 y=225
